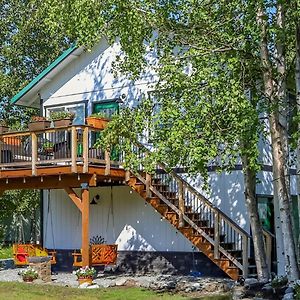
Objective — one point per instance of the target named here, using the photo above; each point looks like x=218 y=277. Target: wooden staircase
x=209 y=229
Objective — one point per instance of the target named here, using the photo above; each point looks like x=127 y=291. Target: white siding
x=90 y=78
x=132 y=223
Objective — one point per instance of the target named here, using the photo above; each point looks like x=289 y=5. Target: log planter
x=39 y=125
x=63 y=122
x=96 y=122
x=3 y=129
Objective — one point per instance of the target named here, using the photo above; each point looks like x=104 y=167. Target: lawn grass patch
x=6 y=252
x=23 y=291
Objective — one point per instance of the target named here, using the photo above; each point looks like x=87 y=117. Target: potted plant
x=29 y=274
x=97 y=120
x=85 y=274
x=3 y=126
x=38 y=123
x=62 y=118
x=48 y=146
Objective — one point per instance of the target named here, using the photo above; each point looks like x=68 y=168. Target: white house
x=83 y=82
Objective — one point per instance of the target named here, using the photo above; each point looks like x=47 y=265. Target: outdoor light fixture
x=95 y=200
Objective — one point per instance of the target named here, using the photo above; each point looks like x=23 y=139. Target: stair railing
x=221 y=230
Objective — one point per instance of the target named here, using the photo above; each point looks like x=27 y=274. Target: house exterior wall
x=137 y=226
x=90 y=78
x=122 y=217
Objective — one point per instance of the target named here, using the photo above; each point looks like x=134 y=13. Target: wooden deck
x=70 y=159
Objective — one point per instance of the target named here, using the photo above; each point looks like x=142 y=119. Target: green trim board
x=44 y=73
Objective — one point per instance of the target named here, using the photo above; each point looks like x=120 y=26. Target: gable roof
x=28 y=96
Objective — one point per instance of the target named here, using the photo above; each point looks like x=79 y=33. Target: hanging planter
x=97 y=121
x=62 y=118
x=38 y=123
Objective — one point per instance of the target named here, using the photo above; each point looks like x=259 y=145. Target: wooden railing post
x=181 y=203
x=85 y=150
x=217 y=235
x=34 y=147
x=148 y=184
x=127 y=176
x=245 y=255
x=74 y=149
x=107 y=162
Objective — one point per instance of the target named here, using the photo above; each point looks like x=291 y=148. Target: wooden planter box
x=63 y=122
x=39 y=125
x=99 y=123
x=3 y=129
x=100 y=255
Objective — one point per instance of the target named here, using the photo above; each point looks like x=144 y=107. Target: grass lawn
x=6 y=252
x=24 y=291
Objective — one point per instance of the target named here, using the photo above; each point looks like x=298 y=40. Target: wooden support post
x=107 y=162
x=85 y=243
x=74 y=149
x=181 y=203
x=148 y=184
x=85 y=150
x=217 y=235
x=34 y=147
x=245 y=255
x=127 y=176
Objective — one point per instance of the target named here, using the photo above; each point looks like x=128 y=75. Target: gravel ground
x=186 y=284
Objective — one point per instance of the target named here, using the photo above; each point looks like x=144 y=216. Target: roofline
x=43 y=74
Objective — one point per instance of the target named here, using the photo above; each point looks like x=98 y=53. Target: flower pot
x=99 y=123
x=88 y=280
x=3 y=129
x=28 y=279
x=39 y=125
x=63 y=122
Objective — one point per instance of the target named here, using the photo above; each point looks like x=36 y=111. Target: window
x=77 y=109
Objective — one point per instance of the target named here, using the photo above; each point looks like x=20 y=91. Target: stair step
x=162 y=208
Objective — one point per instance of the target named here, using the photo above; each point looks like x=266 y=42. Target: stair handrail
x=199 y=195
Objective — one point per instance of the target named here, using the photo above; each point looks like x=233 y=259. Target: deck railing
x=72 y=145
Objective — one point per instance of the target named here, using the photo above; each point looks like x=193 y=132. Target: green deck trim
x=37 y=79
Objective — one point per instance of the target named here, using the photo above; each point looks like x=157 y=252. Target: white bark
x=263 y=273
x=297 y=78
x=278 y=134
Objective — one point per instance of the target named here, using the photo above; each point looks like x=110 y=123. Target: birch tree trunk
x=263 y=273
x=278 y=153
x=297 y=78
